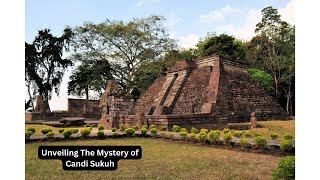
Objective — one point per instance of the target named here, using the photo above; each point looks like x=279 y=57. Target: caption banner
x=90 y=157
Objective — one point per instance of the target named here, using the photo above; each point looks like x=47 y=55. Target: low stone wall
x=55 y=116
x=83 y=106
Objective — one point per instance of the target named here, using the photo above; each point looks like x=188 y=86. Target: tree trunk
x=87 y=93
x=276 y=87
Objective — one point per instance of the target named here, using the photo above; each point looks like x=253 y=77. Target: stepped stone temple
x=207 y=92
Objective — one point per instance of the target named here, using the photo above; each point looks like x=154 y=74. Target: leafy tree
x=44 y=63
x=126 y=45
x=264 y=79
x=90 y=75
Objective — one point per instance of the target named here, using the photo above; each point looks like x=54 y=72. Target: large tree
x=126 y=45
x=44 y=63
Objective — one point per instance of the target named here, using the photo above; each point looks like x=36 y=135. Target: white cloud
x=188 y=41
x=139 y=3
x=288 y=12
x=172 y=20
x=218 y=15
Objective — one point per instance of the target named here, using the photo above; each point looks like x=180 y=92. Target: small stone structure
x=253 y=120
x=73 y=121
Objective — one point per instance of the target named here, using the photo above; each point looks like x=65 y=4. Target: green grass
x=160 y=160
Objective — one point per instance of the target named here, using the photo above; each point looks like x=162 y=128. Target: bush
x=202 y=137
x=227 y=138
x=163 y=134
x=60 y=130
x=50 y=134
x=129 y=132
x=153 y=131
x=144 y=126
x=114 y=134
x=274 y=136
x=100 y=133
x=285 y=169
x=213 y=137
x=28 y=134
x=183 y=135
x=113 y=129
x=247 y=135
x=288 y=137
x=286 y=145
x=67 y=133
x=192 y=137
x=257 y=134
x=204 y=130
x=163 y=128
x=216 y=131
x=153 y=126
x=144 y=131
x=171 y=135
x=237 y=134
x=122 y=127
x=244 y=143
x=226 y=130
x=33 y=130
x=183 y=130
x=135 y=128
x=261 y=142
x=176 y=128
x=194 y=130
x=46 y=130
x=85 y=132
x=74 y=130
x=100 y=128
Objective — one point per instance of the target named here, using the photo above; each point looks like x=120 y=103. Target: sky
x=187 y=21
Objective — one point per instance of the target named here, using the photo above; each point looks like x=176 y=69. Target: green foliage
x=183 y=134
x=226 y=130
x=213 y=136
x=60 y=130
x=286 y=146
x=114 y=134
x=227 y=138
x=257 y=134
x=288 y=136
x=171 y=135
x=45 y=130
x=244 y=143
x=122 y=127
x=176 y=128
x=74 y=130
x=194 y=130
x=163 y=128
x=274 y=136
x=50 y=134
x=135 y=128
x=261 y=142
x=100 y=128
x=144 y=131
x=237 y=134
x=100 y=133
x=247 y=134
x=263 y=78
x=183 y=130
x=28 y=134
x=67 y=133
x=85 y=132
x=153 y=131
x=144 y=126
x=204 y=130
x=285 y=169
x=33 y=130
x=129 y=132
x=202 y=136
x=163 y=134
x=192 y=136
x=153 y=126
x=113 y=129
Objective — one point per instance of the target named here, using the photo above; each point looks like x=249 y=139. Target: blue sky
x=187 y=21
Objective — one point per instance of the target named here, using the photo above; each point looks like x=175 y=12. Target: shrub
x=144 y=126
x=100 y=128
x=204 y=130
x=153 y=126
x=33 y=130
x=183 y=130
x=176 y=128
x=202 y=136
x=194 y=130
x=285 y=169
x=90 y=128
x=247 y=135
x=50 y=134
x=286 y=145
x=144 y=131
x=261 y=142
x=226 y=130
x=171 y=135
x=67 y=133
x=28 y=134
x=153 y=131
x=227 y=138
x=274 y=136
x=100 y=133
x=288 y=137
x=114 y=134
x=237 y=134
x=257 y=134
x=135 y=128
x=183 y=135
x=46 y=130
x=163 y=134
x=74 y=130
x=85 y=132
x=213 y=137
x=113 y=129
x=192 y=136
x=244 y=143
x=216 y=131
x=122 y=127
x=60 y=130
x=163 y=128
x=129 y=132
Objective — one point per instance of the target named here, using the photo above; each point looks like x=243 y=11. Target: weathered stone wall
x=55 y=116
x=83 y=106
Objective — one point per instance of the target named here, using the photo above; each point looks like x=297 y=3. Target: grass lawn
x=160 y=160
